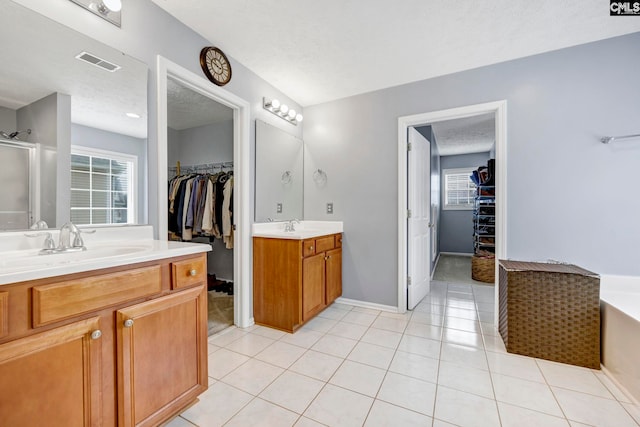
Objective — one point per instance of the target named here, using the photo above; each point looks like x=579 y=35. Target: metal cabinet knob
x=96 y=334
x=193 y=272
x=128 y=323
x=310 y=248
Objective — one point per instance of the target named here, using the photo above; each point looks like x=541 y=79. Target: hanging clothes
x=201 y=205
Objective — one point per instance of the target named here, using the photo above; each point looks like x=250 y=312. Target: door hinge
x=408 y=146
x=408 y=213
x=409 y=280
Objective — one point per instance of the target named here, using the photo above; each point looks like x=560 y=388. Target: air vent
x=98 y=62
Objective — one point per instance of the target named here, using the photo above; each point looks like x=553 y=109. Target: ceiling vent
x=98 y=62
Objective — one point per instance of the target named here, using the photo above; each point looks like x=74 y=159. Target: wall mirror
x=279 y=174
x=71 y=92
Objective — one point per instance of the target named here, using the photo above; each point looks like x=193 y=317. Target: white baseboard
x=366 y=304
x=622 y=388
x=456 y=254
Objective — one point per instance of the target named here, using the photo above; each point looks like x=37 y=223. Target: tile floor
x=443 y=364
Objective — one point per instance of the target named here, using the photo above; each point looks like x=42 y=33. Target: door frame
x=242 y=280
x=499 y=108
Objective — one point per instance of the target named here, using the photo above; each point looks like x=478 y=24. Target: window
x=102 y=187
x=457 y=189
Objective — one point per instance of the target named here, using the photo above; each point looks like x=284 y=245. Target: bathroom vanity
x=296 y=273
x=103 y=340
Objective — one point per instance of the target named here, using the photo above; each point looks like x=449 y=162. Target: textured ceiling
x=188 y=109
x=39 y=59
x=317 y=51
x=462 y=136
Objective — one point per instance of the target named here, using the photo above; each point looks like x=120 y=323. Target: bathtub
x=620 y=340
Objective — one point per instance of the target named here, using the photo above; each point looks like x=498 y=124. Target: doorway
x=404 y=124
x=170 y=73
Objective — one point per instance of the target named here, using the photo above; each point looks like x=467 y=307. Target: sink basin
x=32 y=259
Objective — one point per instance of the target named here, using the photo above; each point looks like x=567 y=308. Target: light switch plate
x=279 y=208
x=329 y=208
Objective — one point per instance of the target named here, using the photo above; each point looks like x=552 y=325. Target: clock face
x=215 y=65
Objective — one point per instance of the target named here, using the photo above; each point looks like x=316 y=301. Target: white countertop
x=20 y=261
x=303 y=230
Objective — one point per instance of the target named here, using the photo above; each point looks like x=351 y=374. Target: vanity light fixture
x=282 y=110
x=133 y=115
x=109 y=10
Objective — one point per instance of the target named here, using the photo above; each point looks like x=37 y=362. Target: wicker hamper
x=550 y=311
x=483 y=268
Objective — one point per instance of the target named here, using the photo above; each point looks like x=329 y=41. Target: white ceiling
x=462 y=136
x=39 y=59
x=318 y=51
x=188 y=109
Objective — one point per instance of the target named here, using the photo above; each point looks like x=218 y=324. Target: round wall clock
x=215 y=65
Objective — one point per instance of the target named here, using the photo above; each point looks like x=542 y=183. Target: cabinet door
x=162 y=356
x=334 y=275
x=53 y=378
x=313 y=277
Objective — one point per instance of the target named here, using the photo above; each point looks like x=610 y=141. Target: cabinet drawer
x=325 y=243
x=4 y=314
x=338 y=240
x=62 y=300
x=308 y=247
x=188 y=273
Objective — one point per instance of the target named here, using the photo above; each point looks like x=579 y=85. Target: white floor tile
x=366 y=310
x=471 y=380
x=462 y=313
x=260 y=413
x=345 y=307
x=409 y=393
x=307 y=422
x=494 y=343
x=573 y=378
x=263 y=331
x=253 y=376
x=422 y=346
x=317 y=365
x=462 y=337
x=427 y=318
x=467 y=289
x=400 y=316
x=633 y=410
x=384 y=414
x=489 y=307
x=514 y=366
x=527 y=394
x=348 y=330
x=216 y=405
x=613 y=388
x=390 y=324
x=281 y=354
x=593 y=410
x=372 y=355
x=178 y=422
x=357 y=377
x=293 y=391
x=462 y=324
x=424 y=331
x=514 y=416
x=319 y=324
x=335 y=406
x=250 y=344
x=466 y=303
x=429 y=308
x=224 y=361
x=489 y=329
x=333 y=313
x=381 y=337
x=212 y=348
x=485 y=316
x=364 y=319
x=302 y=338
x=227 y=336
x=464 y=355
x=334 y=345
x=440 y=423
x=465 y=409
x=416 y=366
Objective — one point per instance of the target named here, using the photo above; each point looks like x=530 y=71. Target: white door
x=418 y=226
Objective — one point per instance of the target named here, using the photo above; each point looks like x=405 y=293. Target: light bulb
x=299 y=117
x=284 y=108
x=292 y=114
x=275 y=104
x=113 y=5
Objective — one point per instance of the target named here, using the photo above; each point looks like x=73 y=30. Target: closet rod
x=608 y=139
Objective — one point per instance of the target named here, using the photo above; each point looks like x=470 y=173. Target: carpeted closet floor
x=220 y=305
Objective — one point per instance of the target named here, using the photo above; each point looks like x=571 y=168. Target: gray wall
x=201 y=145
x=85 y=136
x=559 y=104
x=456 y=226
x=49 y=119
x=7 y=120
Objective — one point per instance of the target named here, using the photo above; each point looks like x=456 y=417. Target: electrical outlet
x=330 y=208
x=279 y=208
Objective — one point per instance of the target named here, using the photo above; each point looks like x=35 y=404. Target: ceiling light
x=281 y=110
x=113 y=5
x=109 y=10
x=133 y=115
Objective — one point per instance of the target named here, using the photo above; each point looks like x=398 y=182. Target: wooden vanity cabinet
x=294 y=280
x=80 y=364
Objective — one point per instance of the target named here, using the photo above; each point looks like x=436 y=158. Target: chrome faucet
x=290 y=225
x=65 y=244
